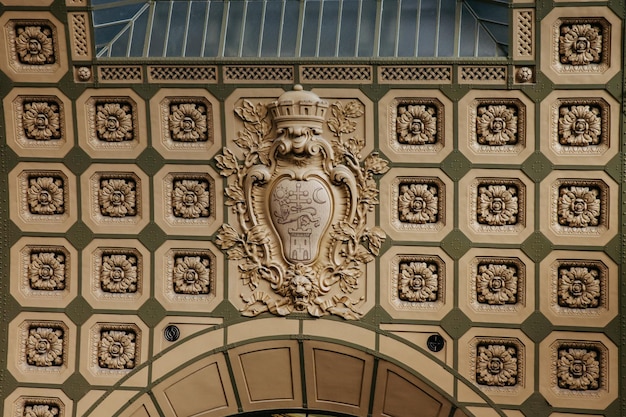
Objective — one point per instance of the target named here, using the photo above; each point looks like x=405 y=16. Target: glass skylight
x=301 y=28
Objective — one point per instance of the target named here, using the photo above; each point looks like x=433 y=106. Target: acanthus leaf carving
x=301 y=202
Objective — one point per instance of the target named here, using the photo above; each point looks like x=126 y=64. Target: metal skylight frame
x=378 y=28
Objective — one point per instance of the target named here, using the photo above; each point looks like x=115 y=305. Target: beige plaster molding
x=496 y=126
x=581 y=45
x=414 y=125
x=496 y=287
x=579 y=127
x=44 y=271
x=579 y=288
x=186 y=124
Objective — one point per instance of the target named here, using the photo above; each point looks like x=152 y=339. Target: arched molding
x=280 y=370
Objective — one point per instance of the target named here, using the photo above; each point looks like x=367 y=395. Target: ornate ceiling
x=372 y=237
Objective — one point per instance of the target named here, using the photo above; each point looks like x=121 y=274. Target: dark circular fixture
x=171 y=333
x=435 y=342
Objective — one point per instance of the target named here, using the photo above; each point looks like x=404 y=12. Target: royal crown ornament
x=298 y=232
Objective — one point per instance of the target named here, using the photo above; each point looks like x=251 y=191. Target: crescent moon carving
x=316 y=197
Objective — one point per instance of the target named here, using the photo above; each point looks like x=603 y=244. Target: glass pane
x=446 y=29
x=252 y=29
x=139 y=35
x=486 y=45
x=157 y=38
x=388 y=28
x=177 y=29
x=213 y=29
x=233 y=28
x=468 y=34
x=347 y=36
x=196 y=29
x=121 y=44
x=115 y=14
x=428 y=28
x=408 y=28
x=290 y=28
x=367 y=29
x=328 y=34
x=271 y=28
x=309 y=31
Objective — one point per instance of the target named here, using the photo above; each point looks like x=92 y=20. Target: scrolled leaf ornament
x=299 y=233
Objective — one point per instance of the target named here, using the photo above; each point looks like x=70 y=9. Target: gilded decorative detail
x=579 y=287
x=190 y=198
x=418 y=282
x=44 y=346
x=497 y=205
x=117 y=197
x=580 y=125
x=496 y=284
x=41 y=120
x=46 y=271
x=118 y=273
x=34 y=45
x=496 y=125
x=191 y=275
x=418 y=203
x=580 y=44
x=114 y=122
x=301 y=252
x=41 y=410
x=116 y=349
x=188 y=122
x=578 y=368
x=416 y=124
x=578 y=206
x=45 y=195
x=496 y=365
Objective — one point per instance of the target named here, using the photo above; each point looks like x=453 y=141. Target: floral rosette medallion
x=301 y=202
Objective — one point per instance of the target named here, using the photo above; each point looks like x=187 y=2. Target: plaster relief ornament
x=118 y=273
x=579 y=287
x=578 y=369
x=496 y=125
x=418 y=282
x=580 y=44
x=114 y=122
x=190 y=199
x=46 y=271
x=301 y=201
x=580 y=126
x=44 y=347
x=416 y=125
x=116 y=349
x=117 y=197
x=34 y=45
x=496 y=365
x=496 y=284
x=418 y=203
x=40 y=410
x=578 y=206
x=497 y=205
x=188 y=122
x=41 y=121
x=191 y=275
x=45 y=196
